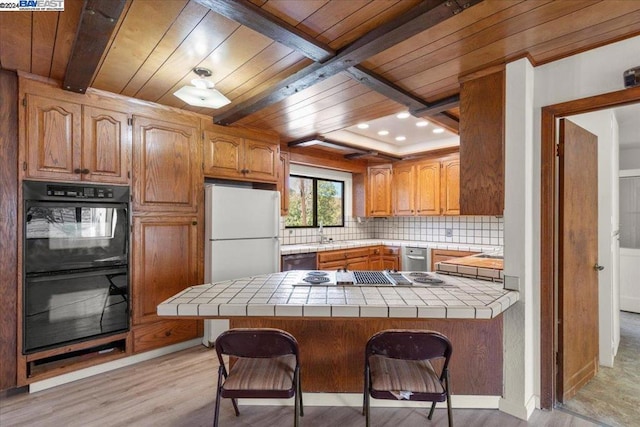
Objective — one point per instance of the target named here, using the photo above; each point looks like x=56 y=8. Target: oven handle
x=43 y=277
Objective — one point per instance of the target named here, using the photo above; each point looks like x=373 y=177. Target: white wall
x=589 y=73
x=630 y=158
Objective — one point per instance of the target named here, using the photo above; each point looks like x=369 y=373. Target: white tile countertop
x=346 y=244
x=276 y=295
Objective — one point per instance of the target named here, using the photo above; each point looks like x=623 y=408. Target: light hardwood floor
x=178 y=391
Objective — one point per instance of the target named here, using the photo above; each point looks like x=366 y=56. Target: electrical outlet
x=448 y=232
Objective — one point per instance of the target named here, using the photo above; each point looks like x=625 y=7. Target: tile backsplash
x=479 y=230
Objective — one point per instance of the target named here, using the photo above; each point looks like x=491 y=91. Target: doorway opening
x=549 y=266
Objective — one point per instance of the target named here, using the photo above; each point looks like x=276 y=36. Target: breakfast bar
x=332 y=323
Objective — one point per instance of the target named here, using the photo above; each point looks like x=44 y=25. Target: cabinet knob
x=194 y=223
x=78 y=171
x=167 y=333
x=85 y=171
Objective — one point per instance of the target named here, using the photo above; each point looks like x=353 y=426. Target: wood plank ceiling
x=155 y=46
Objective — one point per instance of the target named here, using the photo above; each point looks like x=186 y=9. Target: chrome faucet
x=321 y=237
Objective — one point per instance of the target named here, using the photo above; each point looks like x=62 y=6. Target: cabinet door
x=223 y=155
x=332 y=265
x=261 y=160
x=361 y=264
x=439 y=255
x=166 y=167
x=105 y=146
x=482 y=118
x=283 y=183
x=164 y=262
x=53 y=138
x=379 y=193
x=390 y=262
x=428 y=188
x=375 y=258
x=404 y=190
x=450 y=187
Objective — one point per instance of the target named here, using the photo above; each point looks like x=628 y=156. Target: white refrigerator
x=241 y=238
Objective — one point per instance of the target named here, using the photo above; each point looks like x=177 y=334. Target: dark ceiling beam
x=437 y=107
x=420 y=18
x=359 y=152
x=97 y=22
x=385 y=87
x=248 y=14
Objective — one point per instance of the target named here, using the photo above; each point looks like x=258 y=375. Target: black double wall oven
x=76 y=263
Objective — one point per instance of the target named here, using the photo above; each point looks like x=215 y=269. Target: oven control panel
x=82 y=192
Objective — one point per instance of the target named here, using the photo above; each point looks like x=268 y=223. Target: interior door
x=577 y=259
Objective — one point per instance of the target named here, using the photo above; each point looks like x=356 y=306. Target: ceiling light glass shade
x=202 y=83
x=383 y=132
x=438 y=130
x=363 y=126
x=422 y=124
x=202 y=97
x=403 y=115
x=401 y=138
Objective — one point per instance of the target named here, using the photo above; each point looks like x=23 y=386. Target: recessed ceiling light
x=363 y=126
x=401 y=138
x=383 y=132
x=403 y=115
x=422 y=124
x=438 y=130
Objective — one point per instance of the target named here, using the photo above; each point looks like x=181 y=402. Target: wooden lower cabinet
x=391 y=258
x=476 y=364
x=375 y=258
x=439 y=255
x=165 y=261
x=163 y=333
x=351 y=259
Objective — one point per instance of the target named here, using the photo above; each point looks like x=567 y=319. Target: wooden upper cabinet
x=428 y=188
x=53 y=139
x=482 y=121
x=72 y=142
x=106 y=148
x=379 y=194
x=261 y=160
x=283 y=183
x=223 y=155
x=166 y=166
x=231 y=154
x=403 y=190
x=164 y=261
x=450 y=187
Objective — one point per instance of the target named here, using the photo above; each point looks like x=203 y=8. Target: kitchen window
x=315 y=201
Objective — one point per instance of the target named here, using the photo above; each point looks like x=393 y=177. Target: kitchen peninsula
x=333 y=323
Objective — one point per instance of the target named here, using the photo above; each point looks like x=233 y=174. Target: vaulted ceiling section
x=305 y=67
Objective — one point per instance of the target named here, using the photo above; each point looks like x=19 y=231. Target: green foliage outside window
x=314 y=202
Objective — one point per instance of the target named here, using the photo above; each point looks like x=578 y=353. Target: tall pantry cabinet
x=167 y=219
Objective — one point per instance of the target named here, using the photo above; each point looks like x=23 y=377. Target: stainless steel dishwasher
x=415 y=259
x=299 y=262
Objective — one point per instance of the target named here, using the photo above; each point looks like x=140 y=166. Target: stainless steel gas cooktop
x=368 y=278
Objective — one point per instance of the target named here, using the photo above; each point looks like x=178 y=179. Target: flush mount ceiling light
x=403 y=115
x=383 y=132
x=401 y=138
x=438 y=130
x=422 y=124
x=202 y=93
x=363 y=126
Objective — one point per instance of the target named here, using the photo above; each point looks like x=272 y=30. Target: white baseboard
x=355 y=399
x=110 y=366
x=519 y=411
